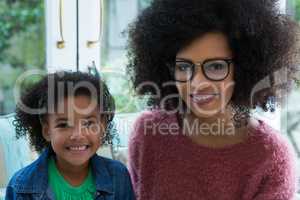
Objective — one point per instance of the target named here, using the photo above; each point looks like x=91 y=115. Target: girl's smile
x=79 y=150
x=74 y=134
x=78 y=147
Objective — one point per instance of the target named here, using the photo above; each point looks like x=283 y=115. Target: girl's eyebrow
x=90 y=116
x=61 y=119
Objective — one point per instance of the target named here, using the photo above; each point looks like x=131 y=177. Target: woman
x=201 y=62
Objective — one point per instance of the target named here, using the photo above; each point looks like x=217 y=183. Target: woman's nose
x=199 y=81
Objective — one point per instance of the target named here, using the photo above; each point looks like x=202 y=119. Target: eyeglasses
x=213 y=69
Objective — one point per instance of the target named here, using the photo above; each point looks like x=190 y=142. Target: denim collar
x=34 y=178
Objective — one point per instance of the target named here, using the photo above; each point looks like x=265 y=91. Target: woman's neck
x=216 y=131
x=219 y=125
x=74 y=175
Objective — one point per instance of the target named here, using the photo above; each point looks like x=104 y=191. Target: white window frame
x=74 y=23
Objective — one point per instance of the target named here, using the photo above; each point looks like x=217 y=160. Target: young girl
x=201 y=63
x=67 y=116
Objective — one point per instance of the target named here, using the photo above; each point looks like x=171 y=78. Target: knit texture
x=166 y=165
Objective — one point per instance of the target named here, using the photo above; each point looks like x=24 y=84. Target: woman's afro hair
x=265 y=44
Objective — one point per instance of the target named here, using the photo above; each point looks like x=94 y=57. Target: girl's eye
x=62 y=125
x=88 y=123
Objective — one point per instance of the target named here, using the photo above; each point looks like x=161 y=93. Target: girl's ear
x=45 y=131
x=103 y=125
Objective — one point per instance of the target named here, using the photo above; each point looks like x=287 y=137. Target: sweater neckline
x=225 y=149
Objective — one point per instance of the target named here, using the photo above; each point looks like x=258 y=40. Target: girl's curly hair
x=264 y=42
x=36 y=102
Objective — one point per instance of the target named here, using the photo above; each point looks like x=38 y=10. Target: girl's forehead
x=73 y=115
x=81 y=104
x=78 y=100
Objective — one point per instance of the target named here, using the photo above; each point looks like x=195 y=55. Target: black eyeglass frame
x=229 y=61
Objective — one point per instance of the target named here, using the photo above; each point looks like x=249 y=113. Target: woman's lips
x=201 y=99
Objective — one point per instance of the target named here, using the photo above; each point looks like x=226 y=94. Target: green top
x=64 y=191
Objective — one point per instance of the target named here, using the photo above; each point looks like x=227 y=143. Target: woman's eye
x=216 y=66
x=182 y=66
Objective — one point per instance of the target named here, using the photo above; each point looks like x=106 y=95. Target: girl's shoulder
x=31 y=179
x=112 y=176
x=114 y=167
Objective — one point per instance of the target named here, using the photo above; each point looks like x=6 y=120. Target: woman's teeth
x=203 y=98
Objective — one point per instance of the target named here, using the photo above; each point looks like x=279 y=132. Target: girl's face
x=208 y=89
x=74 y=130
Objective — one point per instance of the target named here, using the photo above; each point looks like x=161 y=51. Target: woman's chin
x=204 y=112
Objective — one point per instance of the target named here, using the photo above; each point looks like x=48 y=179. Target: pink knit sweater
x=166 y=165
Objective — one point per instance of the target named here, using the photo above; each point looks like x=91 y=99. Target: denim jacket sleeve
x=112 y=178
x=29 y=182
x=10 y=193
x=126 y=190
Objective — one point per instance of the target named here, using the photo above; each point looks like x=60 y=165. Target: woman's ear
x=45 y=131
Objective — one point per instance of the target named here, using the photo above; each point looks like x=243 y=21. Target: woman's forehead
x=208 y=46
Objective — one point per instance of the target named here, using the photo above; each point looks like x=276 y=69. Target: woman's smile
x=203 y=99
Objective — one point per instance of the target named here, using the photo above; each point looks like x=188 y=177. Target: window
x=291 y=114
x=22 y=45
x=117 y=16
x=22 y=49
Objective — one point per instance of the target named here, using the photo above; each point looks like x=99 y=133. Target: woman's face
x=211 y=86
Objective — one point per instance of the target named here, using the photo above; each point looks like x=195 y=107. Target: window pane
x=293 y=8
x=117 y=16
x=22 y=46
x=291 y=116
x=22 y=49
x=291 y=119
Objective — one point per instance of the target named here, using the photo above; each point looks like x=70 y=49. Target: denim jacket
x=112 y=180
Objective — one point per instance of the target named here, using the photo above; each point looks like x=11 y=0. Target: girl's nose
x=77 y=133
